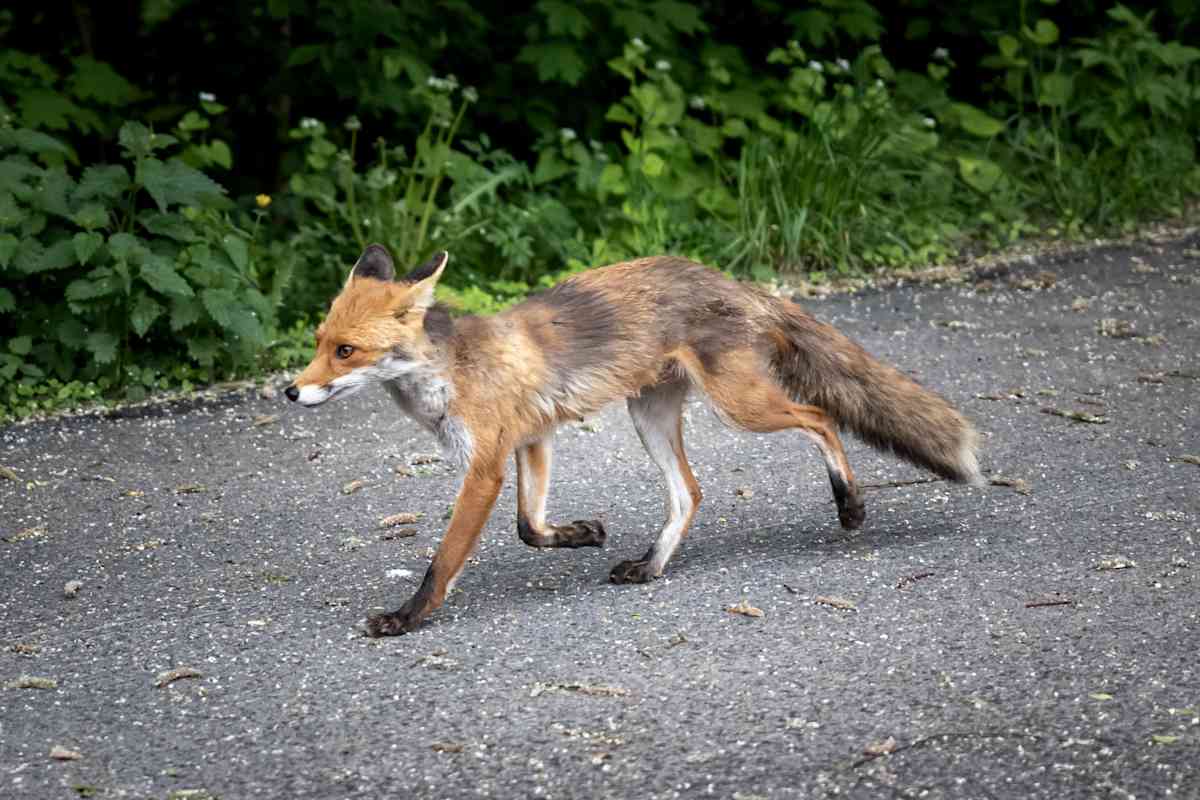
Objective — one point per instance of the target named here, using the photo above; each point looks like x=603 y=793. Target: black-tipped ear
x=433 y=265
x=375 y=262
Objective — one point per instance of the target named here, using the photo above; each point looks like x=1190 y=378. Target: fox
x=649 y=331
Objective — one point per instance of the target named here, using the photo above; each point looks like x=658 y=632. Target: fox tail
x=818 y=365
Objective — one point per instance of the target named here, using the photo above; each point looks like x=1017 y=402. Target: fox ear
x=425 y=277
x=375 y=262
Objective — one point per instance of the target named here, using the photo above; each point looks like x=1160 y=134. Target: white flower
x=639 y=44
x=567 y=134
x=930 y=122
x=815 y=66
x=663 y=64
x=843 y=65
x=941 y=54
x=470 y=94
x=308 y=123
x=208 y=97
x=697 y=102
x=879 y=83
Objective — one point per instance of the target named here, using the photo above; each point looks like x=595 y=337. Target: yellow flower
x=263 y=200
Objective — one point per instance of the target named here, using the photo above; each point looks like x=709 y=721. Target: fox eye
x=344 y=350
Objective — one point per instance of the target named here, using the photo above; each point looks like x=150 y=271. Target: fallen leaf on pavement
x=60 y=753
x=353 y=486
x=265 y=419
x=403 y=518
x=1077 y=416
x=876 y=749
x=31 y=682
x=172 y=675
x=447 y=747
x=840 y=603
x=1018 y=484
x=1115 y=562
x=745 y=609
x=591 y=689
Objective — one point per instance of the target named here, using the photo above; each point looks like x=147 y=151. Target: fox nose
x=292 y=393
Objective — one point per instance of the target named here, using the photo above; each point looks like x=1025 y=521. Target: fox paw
x=852 y=514
x=393 y=624
x=581 y=533
x=632 y=572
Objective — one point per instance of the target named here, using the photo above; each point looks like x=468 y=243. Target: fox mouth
x=313 y=395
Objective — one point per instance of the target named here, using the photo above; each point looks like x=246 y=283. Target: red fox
x=646 y=331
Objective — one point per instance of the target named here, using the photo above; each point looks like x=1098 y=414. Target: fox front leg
x=471 y=510
x=533 y=482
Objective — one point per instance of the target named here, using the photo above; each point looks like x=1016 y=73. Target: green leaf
x=612 y=180
x=138 y=141
x=99 y=283
x=8 y=248
x=683 y=17
x=203 y=349
x=21 y=345
x=193 y=121
x=549 y=168
x=70 y=331
x=976 y=122
x=184 y=313
x=102 y=345
x=235 y=247
x=96 y=80
x=175 y=183
x=91 y=216
x=126 y=247
x=1055 y=90
x=653 y=165
x=979 y=173
x=7 y=301
x=1044 y=33
x=46 y=108
x=555 y=61
x=33 y=257
x=1009 y=45
x=86 y=245
x=37 y=143
x=145 y=311
x=160 y=275
x=564 y=18
x=172 y=226
x=217 y=152
x=105 y=180
x=228 y=312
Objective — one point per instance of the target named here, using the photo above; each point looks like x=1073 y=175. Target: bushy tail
x=820 y=366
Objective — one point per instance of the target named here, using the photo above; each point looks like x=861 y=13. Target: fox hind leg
x=748 y=397
x=658 y=418
x=533 y=483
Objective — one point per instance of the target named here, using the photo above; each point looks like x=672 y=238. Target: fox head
x=374 y=331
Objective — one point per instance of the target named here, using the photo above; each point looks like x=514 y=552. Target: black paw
x=583 y=533
x=393 y=624
x=632 y=572
x=851 y=514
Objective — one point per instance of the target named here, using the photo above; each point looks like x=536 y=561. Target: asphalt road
x=1035 y=640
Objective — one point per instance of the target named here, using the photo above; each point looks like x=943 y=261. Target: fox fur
x=647 y=331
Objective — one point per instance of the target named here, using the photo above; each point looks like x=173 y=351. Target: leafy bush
x=122 y=273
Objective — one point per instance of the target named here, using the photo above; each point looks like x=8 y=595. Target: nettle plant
x=1106 y=126
x=669 y=181
x=466 y=196
x=101 y=267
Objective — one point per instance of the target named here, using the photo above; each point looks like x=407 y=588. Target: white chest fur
x=425 y=397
